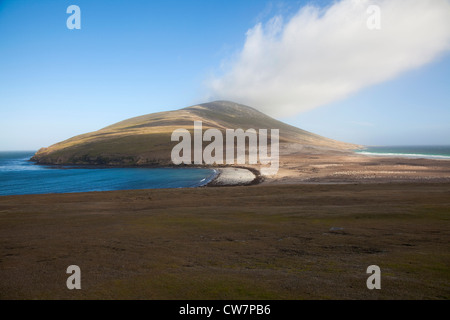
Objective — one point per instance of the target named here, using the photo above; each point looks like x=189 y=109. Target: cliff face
x=146 y=140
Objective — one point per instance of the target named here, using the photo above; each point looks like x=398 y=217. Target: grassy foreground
x=258 y=242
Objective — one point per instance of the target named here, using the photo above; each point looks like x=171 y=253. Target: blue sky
x=413 y=109
x=137 y=57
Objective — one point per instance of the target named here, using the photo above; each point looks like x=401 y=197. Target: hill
x=146 y=140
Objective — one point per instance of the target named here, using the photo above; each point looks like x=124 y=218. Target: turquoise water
x=428 y=152
x=19 y=176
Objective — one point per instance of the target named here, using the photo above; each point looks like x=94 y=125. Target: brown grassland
x=304 y=241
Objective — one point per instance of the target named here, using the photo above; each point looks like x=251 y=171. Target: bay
x=20 y=176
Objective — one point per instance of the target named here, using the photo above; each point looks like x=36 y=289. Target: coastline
x=404 y=155
x=308 y=165
x=235 y=176
x=222 y=176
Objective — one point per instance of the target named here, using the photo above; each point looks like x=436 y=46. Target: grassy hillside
x=145 y=140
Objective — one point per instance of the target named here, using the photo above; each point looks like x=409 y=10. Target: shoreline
x=235 y=176
x=405 y=156
x=223 y=175
x=302 y=165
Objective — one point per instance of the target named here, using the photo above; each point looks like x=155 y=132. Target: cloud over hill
x=321 y=55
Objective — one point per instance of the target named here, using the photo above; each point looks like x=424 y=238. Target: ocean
x=20 y=176
x=427 y=152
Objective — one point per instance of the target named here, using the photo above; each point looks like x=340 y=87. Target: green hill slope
x=146 y=140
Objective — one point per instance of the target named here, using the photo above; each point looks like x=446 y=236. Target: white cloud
x=322 y=55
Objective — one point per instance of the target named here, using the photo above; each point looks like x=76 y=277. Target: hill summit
x=146 y=140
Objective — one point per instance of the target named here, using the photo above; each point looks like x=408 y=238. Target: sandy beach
x=233 y=177
x=302 y=164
